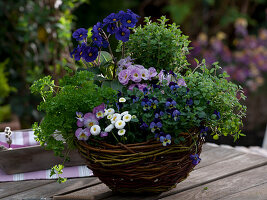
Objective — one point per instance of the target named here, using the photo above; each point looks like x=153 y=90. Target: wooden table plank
x=225 y=187
x=211 y=173
x=55 y=188
x=255 y=193
x=10 y=188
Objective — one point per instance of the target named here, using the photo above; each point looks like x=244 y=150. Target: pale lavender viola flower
x=144 y=74
x=170 y=78
x=79 y=119
x=82 y=134
x=80 y=123
x=124 y=77
x=131 y=87
x=103 y=134
x=181 y=82
x=139 y=66
x=135 y=75
x=152 y=72
x=99 y=111
x=161 y=76
x=142 y=86
x=90 y=120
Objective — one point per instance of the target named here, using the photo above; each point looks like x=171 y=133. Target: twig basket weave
x=145 y=167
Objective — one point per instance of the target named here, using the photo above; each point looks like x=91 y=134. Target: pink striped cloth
x=25 y=138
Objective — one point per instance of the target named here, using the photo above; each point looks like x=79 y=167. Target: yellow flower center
x=83 y=135
x=126 y=117
x=129 y=21
x=81 y=35
x=114 y=19
x=81 y=53
x=136 y=75
x=143 y=75
x=120 y=123
x=125 y=76
x=122 y=33
x=90 y=54
x=91 y=123
x=95 y=39
x=95 y=129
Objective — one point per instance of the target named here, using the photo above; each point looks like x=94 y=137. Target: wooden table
x=223 y=173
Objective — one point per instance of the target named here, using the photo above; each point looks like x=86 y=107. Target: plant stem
x=123 y=50
x=115 y=137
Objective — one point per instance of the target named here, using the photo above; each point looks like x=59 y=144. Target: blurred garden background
x=35 y=40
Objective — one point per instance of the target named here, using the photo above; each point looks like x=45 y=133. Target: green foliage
x=159 y=45
x=76 y=93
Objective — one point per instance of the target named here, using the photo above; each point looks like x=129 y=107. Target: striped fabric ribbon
x=25 y=138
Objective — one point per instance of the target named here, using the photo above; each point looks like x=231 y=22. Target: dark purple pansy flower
x=203 y=131
x=113 y=17
x=128 y=20
x=79 y=51
x=189 y=102
x=195 y=159
x=104 y=43
x=90 y=54
x=97 y=40
x=145 y=90
x=80 y=34
x=97 y=28
x=173 y=86
x=122 y=34
x=111 y=28
x=217 y=113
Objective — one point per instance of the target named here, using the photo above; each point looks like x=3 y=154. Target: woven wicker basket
x=145 y=167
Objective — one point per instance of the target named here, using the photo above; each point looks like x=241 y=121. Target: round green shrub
x=158 y=45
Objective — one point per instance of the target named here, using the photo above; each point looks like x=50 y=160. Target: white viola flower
x=121 y=132
x=111 y=111
x=120 y=124
x=124 y=113
x=110 y=116
x=115 y=118
x=122 y=100
x=106 y=112
x=127 y=118
x=109 y=128
x=95 y=130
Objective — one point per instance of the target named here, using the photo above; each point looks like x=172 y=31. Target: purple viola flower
x=176 y=114
x=82 y=134
x=90 y=120
x=80 y=123
x=103 y=134
x=189 y=102
x=124 y=77
x=77 y=52
x=155 y=126
x=161 y=76
x=122 y=34
x=158 y=114
x=135 y=75
x=104 y=43
x=143 y=126
x=141 y=87
x=99 y=111
x=80 y=34
x=132 y=13
x=79 y=119
x=165 y=140
x=152 y=72
x=134 y=98
x=145 y=90
x=113 y=17
x=112 y=28
x=154 y=102
x=90 y=54
x=181 y=82
x=217 y=113
x=173 y=86
x=203 y=131
x=146 y=104
x=158 y=135
x=170 y=103
x=195 y=159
